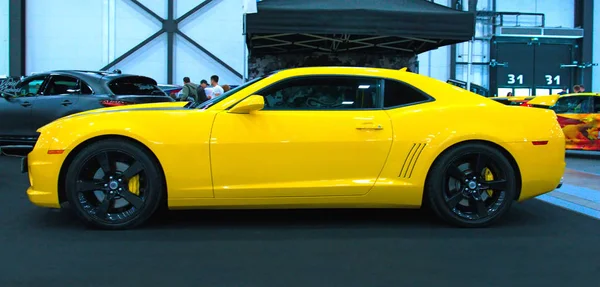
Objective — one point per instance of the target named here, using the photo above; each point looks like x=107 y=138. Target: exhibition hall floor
x=537 y=244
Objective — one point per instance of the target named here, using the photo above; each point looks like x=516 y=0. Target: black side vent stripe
x=417 y=158
x=404 y=164
x=414 y=154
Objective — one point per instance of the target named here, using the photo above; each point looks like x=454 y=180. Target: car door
x=16 y=108
x=58 y=99
x=316 y=136
x=576 y=118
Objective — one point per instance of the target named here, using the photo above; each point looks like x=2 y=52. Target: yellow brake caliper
x=134 y=185
x=488 y=177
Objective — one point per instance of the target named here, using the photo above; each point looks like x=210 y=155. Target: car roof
x=582 y=94
x=92 y=75
x=340 y=70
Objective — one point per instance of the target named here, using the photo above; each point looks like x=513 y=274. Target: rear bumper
x=542 y=167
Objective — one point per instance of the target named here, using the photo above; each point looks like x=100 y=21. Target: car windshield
x=206 y=104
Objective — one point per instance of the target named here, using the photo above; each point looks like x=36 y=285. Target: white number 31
x=552 y=80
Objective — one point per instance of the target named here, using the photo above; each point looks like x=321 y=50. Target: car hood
x=137 y=107
x=150 y=106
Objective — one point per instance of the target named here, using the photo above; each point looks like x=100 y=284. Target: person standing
x=214 y=82
x=189 y=90
x=563 y=92
x=200 y=91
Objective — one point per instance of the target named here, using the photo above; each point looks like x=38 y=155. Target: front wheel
x=114 y=184
x=471 y=185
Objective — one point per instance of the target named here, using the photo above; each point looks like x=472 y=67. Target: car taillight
x=113 y=103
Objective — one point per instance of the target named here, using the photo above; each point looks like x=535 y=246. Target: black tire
x=472 y=200
x=98 y=185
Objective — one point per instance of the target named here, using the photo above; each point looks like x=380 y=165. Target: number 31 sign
x=552 y=80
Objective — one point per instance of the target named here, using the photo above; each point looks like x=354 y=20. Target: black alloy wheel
x=471 y=185
x=114 y=184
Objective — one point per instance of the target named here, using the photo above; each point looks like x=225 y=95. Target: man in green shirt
x=189 y=90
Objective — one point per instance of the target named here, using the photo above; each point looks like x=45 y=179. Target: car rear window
x=135 y=86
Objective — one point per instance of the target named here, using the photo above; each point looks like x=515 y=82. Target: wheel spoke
x=495 y=184
x=132 y=198
x=104 y=162
x=102 y=209
x=480 y=164
x=454 y=199
x=455 y=172
x=480 y=207
x=84 y=186
x=133 y=170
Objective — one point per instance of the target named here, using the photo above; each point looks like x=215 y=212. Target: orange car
x=579 y=118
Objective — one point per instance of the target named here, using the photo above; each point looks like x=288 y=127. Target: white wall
x=218 y=28
x=596 y=48
x=59 y=36
x=3 y=37
x=559 y=13
x=436 y=63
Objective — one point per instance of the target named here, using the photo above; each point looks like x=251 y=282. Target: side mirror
x=248 y=105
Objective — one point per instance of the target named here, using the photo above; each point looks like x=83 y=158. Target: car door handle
x=26 y=104
x=66 y=103
x=369 y=126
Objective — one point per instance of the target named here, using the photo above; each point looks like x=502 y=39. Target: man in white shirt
x=214 y=82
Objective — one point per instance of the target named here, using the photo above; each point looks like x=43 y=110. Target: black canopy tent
x=406 y=26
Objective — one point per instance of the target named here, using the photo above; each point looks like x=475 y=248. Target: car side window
x=30 y=87
x=596 y=105
x=572 y=105
x=85 y=88
x=62 y=85
x=400 y=94
x=323 y=93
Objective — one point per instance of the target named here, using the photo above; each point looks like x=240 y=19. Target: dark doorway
x=531 y=68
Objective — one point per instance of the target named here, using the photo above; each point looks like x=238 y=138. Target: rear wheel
x=471 y=185
x=114 y=184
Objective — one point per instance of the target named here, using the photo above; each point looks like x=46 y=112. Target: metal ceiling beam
x=133 y=50
x=170 y=27
x=147 y=10
x=194 y=10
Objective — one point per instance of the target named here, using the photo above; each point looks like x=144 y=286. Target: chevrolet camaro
x=326 y=137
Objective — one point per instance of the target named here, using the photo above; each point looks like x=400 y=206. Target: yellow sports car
x=327 y=137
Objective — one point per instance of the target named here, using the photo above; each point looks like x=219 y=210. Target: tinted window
x=135 y=86
x=85 y=89
x=322 y=93
x=596 y=105
x=399 y=94
x=572 y=105
x=62 y=85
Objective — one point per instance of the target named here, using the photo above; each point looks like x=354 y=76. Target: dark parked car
x=42 y=98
